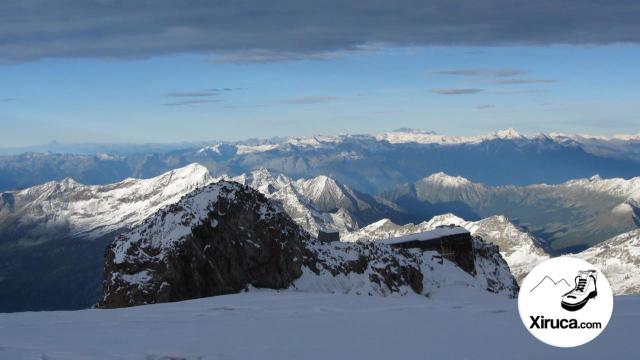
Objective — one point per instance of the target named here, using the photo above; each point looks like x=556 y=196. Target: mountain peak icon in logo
x=584 y=290
x=547 y=282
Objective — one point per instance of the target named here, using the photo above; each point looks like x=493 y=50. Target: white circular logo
x=565 y=302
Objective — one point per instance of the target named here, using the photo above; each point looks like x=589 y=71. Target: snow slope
x=95 y=210
x=289 y=325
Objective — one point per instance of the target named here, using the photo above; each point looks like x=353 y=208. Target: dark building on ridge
x=450 y=241
x=328 y=237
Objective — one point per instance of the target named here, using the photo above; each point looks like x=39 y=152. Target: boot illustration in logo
x=584 y=290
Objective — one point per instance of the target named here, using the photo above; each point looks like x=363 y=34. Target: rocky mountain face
x=226 y=237
x=219 y=239
x=569 y=216
x=321 y=203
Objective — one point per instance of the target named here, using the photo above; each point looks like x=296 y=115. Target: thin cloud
x=456 y=91
x=525 y=81
x=201 y=93
x=7 y=99
x=480 y=72
x=196 y=97
x=485 y=106
x=190 y=102
x=226 y=89
x=305 y=100
x=269 y=56
x=192 y=94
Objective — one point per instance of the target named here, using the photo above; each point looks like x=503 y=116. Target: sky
x=162 y=71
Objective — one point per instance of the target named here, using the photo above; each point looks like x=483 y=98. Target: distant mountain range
x=53 y=236
x=367 y=163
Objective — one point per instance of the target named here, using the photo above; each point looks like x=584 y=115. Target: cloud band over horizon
x=251 y=30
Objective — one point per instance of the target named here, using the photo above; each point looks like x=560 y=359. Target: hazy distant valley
x=53 y=235
x=367 y=163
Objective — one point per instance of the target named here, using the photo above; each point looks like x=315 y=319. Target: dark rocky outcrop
x=388 y=270
x=241 y=240
x=226 y=237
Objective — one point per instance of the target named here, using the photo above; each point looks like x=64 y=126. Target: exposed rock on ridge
x=217 y=240
x=226 y=237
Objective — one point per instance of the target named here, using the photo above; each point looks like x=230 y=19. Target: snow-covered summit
x=318 y=203
x=94 y=210
x=442 y=187
x=442 y=179
x=509 y=133
x=614 y=186
x=328 y=194
x=220 y=149
x=402 y=136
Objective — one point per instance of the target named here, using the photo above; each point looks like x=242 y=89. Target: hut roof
x=436 y=233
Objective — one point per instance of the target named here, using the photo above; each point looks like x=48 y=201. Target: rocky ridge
x=226 y=237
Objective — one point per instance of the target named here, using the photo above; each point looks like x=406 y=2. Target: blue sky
x=123 y=72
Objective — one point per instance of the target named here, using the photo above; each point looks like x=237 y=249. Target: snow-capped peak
x=615 y=186
x=428 y=137
x=442 y=179
x=321 y=187
x=95 y=210
x=509 y=133
x=319 y=203
x=379 y=224
x=263 y=180
x=67 y=184
x=445 y=219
